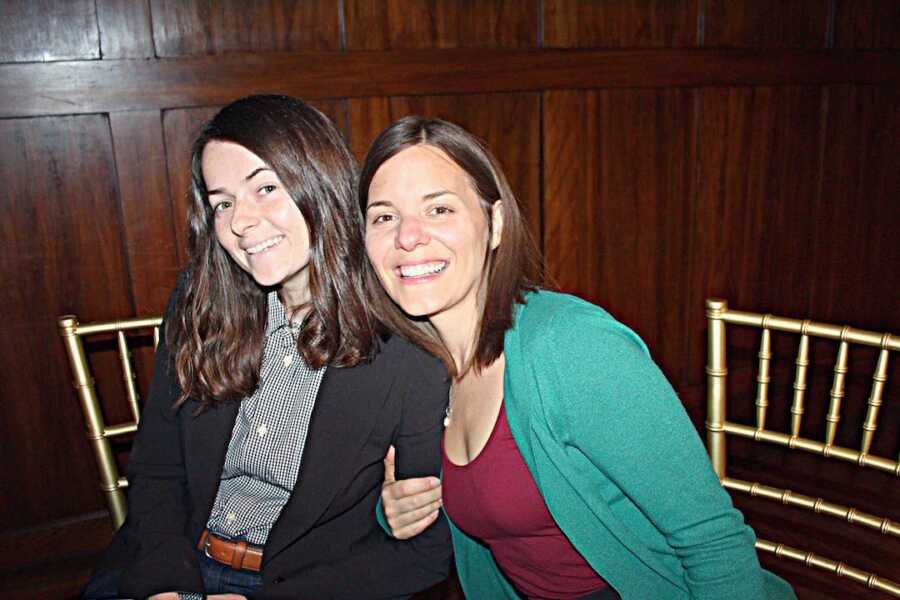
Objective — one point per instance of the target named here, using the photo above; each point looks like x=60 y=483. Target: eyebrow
x=252 y=174
x=428 y=196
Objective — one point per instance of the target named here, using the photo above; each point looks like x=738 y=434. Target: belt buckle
x=206 y=545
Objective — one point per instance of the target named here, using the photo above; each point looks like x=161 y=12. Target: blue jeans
x=217 y=579
x=222 y=579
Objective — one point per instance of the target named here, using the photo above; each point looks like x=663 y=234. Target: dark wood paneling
x=765 y=24
x=180 y=127
x=147 y=213
x=64 y=254
x=101 y=86
x=867 y=24
x=125 y=30
x=387 y=24
x=753 y=219
x=508 y=123
x=621 y=24
x=42 y=30
x=218 y=26
x=617 y=188
x=856 y=253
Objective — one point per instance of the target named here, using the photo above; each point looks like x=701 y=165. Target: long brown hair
x=509 y=266
x=217 y=332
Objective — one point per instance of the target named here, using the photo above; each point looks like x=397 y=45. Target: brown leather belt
x=237 y=555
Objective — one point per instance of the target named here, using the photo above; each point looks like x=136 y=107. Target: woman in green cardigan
x=570 y=469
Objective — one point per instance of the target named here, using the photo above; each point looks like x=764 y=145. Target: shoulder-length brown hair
x=511 y=267
x=217 y=332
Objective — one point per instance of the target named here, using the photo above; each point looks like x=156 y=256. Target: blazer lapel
x=346 y=410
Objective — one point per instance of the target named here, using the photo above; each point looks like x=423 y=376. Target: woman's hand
x=410 y=505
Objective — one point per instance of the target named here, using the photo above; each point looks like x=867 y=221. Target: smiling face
x=256 y=221
x=427 y=236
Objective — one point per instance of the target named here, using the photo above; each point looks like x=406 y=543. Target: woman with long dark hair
x=570 y=468
x=257 y=464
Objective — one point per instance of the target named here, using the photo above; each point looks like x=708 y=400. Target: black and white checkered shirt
x=267 y=441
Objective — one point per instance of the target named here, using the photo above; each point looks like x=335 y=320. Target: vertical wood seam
x=830 y=24
x=120 y=212
x=342 y=33
x=701 y=23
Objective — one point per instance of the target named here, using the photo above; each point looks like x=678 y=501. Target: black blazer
x=326 y=543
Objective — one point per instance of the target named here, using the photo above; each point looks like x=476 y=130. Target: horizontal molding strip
x=77 y=87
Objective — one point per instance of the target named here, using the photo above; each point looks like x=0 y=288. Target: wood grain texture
x=147 y=215
x=508 y=123
x=867 y=24
x=125 y=29
x=45 y=30
x=219 y=26
x=621 y=24
x=617 y=189
x=408 y=24
x=103 y=86
x=180 y=128
x=858 y=210
x=64 y=239
x=752 y=229
x=765 y=24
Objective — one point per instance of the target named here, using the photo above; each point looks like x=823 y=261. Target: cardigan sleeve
x=158 y=501
x=615 y=407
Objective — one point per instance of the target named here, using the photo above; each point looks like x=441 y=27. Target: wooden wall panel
x=752 y=224
x=766 y=24
x=64 y=254
x=508 y=123
x=395 y=24
x=856 y=255
x=147 y=212
x=43 y=30
x=867 y=24
x=125 y=29
x=219 y=26
x=622 y=24
x=617 y=188
x=180 y=127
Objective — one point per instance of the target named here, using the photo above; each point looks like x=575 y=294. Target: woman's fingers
x=410 y=505
x=418 y=526
x=389 y=466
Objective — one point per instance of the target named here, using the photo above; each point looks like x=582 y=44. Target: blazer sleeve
x=386 y=567
x=622 y=414
x=158 y=500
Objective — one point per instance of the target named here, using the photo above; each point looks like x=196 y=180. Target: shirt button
x=230 y=517
x=287 y=360
x=262 y=430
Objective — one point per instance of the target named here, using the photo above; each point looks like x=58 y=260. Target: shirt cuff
x=191 y=596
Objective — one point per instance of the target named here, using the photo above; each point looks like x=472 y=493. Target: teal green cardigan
x=618 y=463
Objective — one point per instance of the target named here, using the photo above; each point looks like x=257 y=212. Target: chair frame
x=717 y=426
x=98 y=433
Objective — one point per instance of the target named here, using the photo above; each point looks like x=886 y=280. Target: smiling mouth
x=265 y=245
x=422 y=270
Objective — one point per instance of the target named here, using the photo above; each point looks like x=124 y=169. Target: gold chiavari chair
x=98 y=432
x=718 y=426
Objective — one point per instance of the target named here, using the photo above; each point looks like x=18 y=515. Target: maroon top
x=495 y=500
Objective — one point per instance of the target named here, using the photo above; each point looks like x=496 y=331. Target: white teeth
x=423 y=269
x=264 y=245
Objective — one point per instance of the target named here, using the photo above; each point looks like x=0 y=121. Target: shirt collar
x=276 y=318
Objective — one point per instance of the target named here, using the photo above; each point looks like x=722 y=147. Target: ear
x=496 y=224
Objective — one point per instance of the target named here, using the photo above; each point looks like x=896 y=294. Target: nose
x=410 y=234
x=244 y=216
